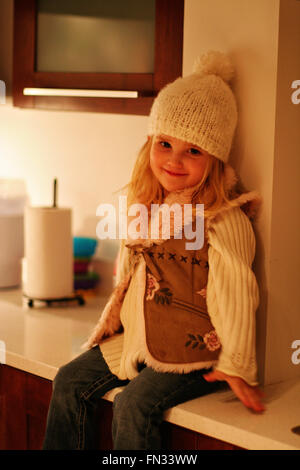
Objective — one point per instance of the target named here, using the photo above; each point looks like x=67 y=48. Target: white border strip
x=80 y=93
x=2 y=352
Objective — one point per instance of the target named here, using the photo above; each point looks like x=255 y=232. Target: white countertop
x=41 y=339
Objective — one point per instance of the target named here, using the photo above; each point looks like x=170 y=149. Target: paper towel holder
x=54 y=192
x=80 y=299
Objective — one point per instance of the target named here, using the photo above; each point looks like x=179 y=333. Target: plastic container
x=88 y=280
x=13 y=200
x=81 y=265
x=84 y=246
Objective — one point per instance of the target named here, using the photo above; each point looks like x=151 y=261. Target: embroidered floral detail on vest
x=212 y=341
x=195 y=341
x=163 y=296
x=151 y=286
x=202 y=292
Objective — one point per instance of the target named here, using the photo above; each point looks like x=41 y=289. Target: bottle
x=13 y=200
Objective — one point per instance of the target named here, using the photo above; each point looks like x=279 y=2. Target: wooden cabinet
x=24 y=402
x=173 y=437
x=166 y=64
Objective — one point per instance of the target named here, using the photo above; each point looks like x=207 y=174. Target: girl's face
x=177 y=164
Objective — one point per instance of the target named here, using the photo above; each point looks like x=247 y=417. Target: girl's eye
x=165 y=144
x=194 y=151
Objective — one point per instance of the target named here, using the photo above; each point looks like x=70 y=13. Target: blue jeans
x=137 y=410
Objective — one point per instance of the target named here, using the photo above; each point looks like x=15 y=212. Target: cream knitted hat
x=199 y=108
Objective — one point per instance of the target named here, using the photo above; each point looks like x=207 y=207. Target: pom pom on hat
x=214 y=63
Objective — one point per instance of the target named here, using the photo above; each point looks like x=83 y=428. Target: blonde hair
x=146 y=189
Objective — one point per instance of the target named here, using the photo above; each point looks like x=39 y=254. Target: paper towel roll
x=48 y=250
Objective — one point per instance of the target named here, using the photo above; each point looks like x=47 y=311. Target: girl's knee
x=120 y=403
x=125 y=406
x=129 y=405
x=64 y=384
x=62 y=376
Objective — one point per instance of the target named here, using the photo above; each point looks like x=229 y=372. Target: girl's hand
x=250 y=396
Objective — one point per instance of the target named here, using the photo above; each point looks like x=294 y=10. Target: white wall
x=92 y=155
x=283 y=321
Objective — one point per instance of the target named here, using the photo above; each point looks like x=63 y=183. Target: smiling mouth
x=174 y=174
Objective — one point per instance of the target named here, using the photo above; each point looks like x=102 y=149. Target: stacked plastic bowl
x=83 y=251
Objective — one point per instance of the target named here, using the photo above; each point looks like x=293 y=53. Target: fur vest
x=178 y=330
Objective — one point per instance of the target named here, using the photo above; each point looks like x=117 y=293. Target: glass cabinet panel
x=96 y=36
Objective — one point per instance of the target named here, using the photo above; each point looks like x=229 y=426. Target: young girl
x=179 y=320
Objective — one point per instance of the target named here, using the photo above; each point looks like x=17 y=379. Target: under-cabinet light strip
x=81 y=93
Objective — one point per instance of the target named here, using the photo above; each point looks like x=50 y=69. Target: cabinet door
x=74 y=55
x=24 y=401
x=38 y=395
x=13 y=431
